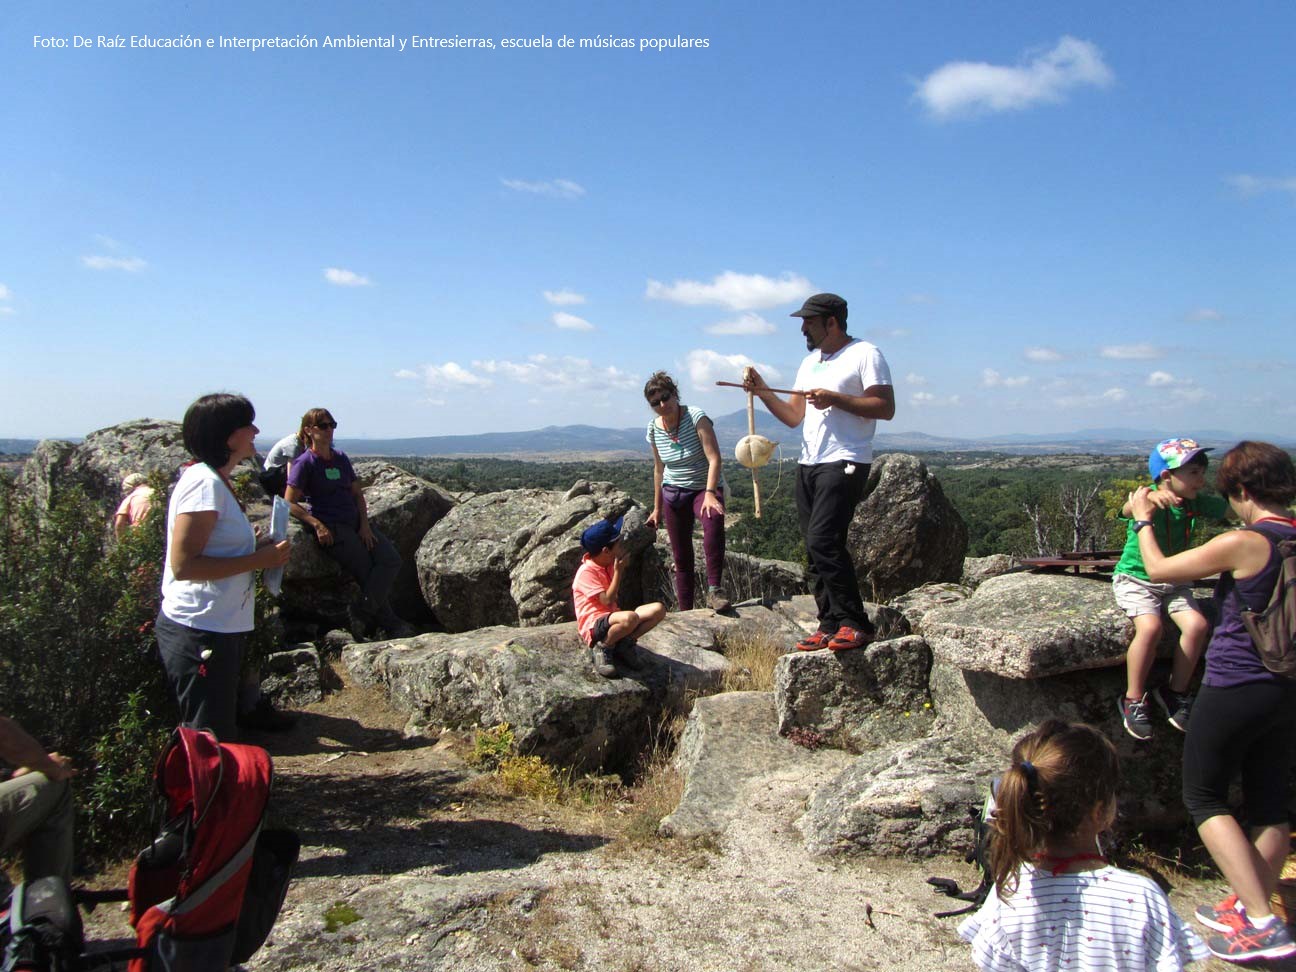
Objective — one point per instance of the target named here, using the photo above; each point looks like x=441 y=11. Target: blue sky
x=1048 y=216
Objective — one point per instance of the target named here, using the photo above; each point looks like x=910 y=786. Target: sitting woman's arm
x=295 y=498
x=189 y=538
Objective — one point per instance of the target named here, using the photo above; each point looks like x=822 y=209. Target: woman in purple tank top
x=1244 y=719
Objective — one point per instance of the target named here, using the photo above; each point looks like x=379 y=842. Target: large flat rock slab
x=909 y=800
x=856 y=700
x=540 y=682
x=1030 y=626
x=730 y=751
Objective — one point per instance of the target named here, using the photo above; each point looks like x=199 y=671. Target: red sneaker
x=813 y=643
x=847 y=638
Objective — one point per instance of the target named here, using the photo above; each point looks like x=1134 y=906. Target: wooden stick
x=751 y=430
x=780 y=391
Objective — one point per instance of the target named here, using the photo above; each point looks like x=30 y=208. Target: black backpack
x=42 y=930
x=978 y=853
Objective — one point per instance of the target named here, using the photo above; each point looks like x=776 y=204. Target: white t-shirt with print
x=225 y=605
x=1105 y=919
x=833 y=434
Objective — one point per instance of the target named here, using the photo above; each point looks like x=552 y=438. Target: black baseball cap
x=823 y=305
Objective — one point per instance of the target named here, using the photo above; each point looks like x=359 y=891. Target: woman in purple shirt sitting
x=1244 y=718
x=322 y=478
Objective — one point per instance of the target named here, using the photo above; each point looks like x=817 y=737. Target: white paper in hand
x=273 y=577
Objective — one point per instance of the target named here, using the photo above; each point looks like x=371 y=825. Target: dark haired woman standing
x=207 y=580
x=1244 y=719
x=688 y=485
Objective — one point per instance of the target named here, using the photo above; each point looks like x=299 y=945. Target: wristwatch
x=1140 y=524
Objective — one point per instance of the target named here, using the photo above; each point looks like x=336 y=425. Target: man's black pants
x=826 y=497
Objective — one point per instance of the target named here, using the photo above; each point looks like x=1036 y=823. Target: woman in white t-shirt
x=207 y=578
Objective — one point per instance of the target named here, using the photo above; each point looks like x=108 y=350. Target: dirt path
x=414 y=861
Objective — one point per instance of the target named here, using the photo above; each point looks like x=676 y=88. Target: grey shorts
x=1135 y=596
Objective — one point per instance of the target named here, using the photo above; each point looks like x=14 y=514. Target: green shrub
x=492 y=746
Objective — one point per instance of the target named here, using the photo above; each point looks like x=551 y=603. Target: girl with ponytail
x=1057 y=903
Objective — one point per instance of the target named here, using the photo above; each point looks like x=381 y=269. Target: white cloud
x=1089 y=401
x=6 y=310
x=1190 y=394
x=563 y=298
x=439 y=377
x=557 y=188
x=1159 y=379
x=992 y=379
x=129 y=264
x=345 y=278
x=1205 y=314
x=1132 y=352
x=559 y=373
x=914 y=378
x=925 y=399
x=570 y=322
x=1115 y=395
x=970 y=87
x=1043 y=354
x=705 y=368
x=1253 y=185
x=737 y=291
x=5 y=292
x=746 y=324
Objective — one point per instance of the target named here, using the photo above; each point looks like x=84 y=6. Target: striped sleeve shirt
x=1104 y=919
x=685 y=462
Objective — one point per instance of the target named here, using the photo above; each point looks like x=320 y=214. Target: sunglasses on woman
x=658 y=402
x=326 y=425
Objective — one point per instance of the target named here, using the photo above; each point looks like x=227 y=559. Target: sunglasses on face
x=658 y=402
x=326 y=425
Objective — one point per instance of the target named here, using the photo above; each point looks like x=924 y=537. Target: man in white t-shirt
x=847 y=384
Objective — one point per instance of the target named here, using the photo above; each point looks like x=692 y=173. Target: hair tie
x=1032 y=778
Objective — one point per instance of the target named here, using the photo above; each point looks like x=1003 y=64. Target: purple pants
x=680 y=508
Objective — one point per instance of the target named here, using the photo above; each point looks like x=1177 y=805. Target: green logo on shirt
x=332 y=473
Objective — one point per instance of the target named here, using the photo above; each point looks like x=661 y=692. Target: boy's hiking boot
x=1134 y=714
x=1247 y=942
x=717 y=602
x=1224 y=916
x=1177 y=706
x=847 y=638
x=814 y=642
x=601 y=659
x=626 y=652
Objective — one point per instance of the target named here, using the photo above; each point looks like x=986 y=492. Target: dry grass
x=659 y=787
x=751 y=657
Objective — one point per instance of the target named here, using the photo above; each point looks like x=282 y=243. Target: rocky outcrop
x=540 y=682
x=509 y=557
x=915 y=605
x=910 y=800
x=291 y=678
x=404 y=508
x=856 y=700
x=105 y=457
x=905 y=532
x=978 y=569
x=728 y=753
x=1031 y=625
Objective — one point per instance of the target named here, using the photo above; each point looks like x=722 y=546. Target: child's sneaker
x=814 y=642
x=601 y=661
x=626 y=651
x=1247 y=942
x=1225 y=916
x=1134 y=714
x=848 y=638
x=1177 y=706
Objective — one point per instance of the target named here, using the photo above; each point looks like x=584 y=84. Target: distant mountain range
x=569 y=441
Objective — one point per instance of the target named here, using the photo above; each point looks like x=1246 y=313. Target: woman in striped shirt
x=688 y=485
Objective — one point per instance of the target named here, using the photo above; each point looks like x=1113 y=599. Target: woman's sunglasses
x=658 y=402
x=326 y=425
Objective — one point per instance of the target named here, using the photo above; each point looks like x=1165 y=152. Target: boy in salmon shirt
x=609 y=631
